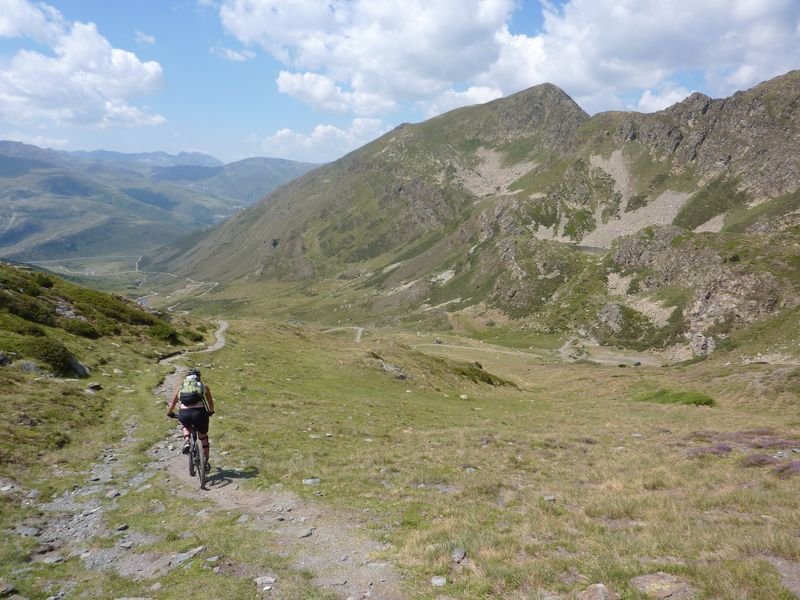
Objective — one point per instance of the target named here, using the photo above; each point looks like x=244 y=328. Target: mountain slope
x=58 y=204
x=470 y=211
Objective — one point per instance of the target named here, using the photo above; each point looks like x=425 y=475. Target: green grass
x=666 y=396
x=714 y=199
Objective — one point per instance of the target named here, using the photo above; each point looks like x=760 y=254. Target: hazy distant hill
x=58 y=204
x=692 y=216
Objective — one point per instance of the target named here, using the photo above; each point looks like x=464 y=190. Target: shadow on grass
x=225 y=477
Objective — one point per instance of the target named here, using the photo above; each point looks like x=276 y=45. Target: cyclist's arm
x=173 y=402
x=209 y=399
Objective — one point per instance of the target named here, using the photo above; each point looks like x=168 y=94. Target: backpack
x=192 y=391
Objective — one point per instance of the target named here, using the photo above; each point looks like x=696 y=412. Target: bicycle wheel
x=192 y=453
x=201 y=466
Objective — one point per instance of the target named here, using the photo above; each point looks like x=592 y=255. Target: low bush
x=50 y=351
x=163 y=332
x=665 y=396
x=81 y=328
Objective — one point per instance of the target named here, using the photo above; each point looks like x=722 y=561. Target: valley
x=512 y=352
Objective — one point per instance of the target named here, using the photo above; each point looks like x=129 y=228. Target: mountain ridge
x=485 y=208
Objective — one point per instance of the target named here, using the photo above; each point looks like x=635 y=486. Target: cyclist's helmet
x=194 y=373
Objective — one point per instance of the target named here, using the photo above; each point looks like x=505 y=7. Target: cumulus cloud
x=322 y=92
x=370 y=54
x=144 y=39
x=324 y=143
x=340 y=52
x=667 y=96
x=83 y=81
x=233 y=55
x=451 y=99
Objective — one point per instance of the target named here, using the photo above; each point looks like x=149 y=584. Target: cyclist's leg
x=202 y=431
x=185 y=417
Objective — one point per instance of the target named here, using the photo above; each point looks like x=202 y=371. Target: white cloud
x=322 y=92
x=42 y=141
x=452 y=99
x=598 y=49
x=370 y=54
x=85 y=81
x=669 y=95
x=339 y=52
x=233 y=55
x=144 y=39
x=324 y=143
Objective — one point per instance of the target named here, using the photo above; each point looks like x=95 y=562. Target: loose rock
x=458 y=555
x=598 y=591
x=663 y=585
x=438 y=581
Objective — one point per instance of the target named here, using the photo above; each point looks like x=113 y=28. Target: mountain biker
x=197 y=405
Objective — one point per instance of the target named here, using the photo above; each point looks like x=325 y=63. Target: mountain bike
x=197 y=458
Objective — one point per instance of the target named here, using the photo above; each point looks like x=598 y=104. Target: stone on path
x=6 y=589
x=663 y=585
x=184 y=556
x=598 y=591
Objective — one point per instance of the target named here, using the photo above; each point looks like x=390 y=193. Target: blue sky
x=312 y=79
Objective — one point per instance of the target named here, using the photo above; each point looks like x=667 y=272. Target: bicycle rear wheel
x=192 y=453
x=201 y=466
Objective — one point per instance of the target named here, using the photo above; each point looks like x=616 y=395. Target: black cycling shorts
x=194 y=416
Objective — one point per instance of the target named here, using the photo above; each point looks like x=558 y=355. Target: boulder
x=663 y=585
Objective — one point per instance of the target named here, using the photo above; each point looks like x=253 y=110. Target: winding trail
x=359 y=331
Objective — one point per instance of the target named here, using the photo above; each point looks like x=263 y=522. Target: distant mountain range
x=56 y=204
x=634 y=228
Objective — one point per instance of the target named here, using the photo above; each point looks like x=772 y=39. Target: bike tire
x=201 y=467
x=192 y=453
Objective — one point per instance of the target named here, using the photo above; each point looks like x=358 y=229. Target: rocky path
x=332 y=545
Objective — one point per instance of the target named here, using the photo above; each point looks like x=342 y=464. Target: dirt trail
x=330 y=544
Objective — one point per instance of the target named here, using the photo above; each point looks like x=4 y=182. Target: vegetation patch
x=714 y=199
x=667 y=396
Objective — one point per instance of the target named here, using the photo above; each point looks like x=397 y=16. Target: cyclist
x=197 y=405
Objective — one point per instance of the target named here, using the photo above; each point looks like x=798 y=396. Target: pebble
x=155 y=587
x=438 y=581
x=217 y=569
x=127 y=544
x=212 y=559
x=549 y=498
x=311 y=481
x=458 y=555
x=265 y=580
x=243 y=519
x=464 y=397
x=307 y=533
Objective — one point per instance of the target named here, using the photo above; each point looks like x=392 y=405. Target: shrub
x=14 y=323
x=162 y=331
x=81 y=328
x=28 y=308
x=43 y=280
x=664 y=396
x=194 y=336
x=51 y=352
